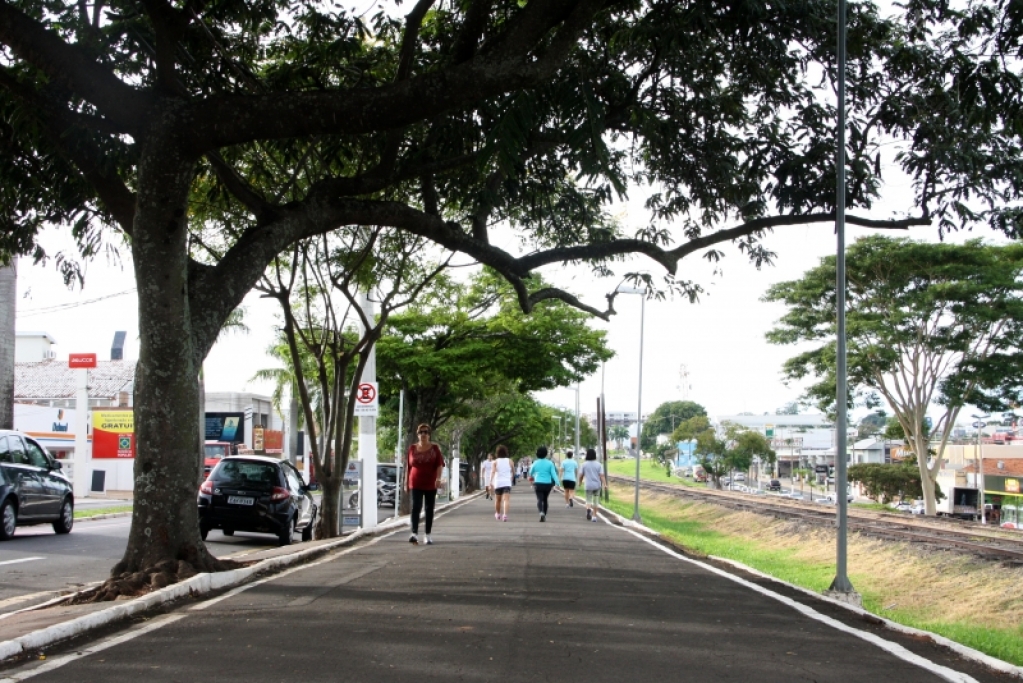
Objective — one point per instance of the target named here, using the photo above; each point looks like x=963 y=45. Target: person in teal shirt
x=544 y=475
x=568 y=478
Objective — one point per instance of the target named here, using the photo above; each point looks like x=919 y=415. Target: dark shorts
x=568 y=484
x=502 y=490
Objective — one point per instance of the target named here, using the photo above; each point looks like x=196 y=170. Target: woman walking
x=592 y=478
x=501 y=483
x=544 y=476
x=425 y=464
x=568 y=472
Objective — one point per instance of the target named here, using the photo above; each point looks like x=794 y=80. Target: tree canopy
x=665 y=418
x=461 y=346
x=210 y=136
x=927 y=324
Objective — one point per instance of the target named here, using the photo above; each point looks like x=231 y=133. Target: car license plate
x=240 y=500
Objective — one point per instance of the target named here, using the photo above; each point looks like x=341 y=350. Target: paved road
x=37 y=563
x=566 y=600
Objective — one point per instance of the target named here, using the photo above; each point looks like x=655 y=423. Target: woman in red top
x=425 y=465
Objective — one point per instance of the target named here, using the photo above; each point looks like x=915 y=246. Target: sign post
x=367 y=405
x=80 y=474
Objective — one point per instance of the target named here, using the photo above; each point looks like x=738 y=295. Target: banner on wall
x=228 y=427
x=113 y=433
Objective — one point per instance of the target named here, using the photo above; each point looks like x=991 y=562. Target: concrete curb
x=199 y=584
x=963 y=651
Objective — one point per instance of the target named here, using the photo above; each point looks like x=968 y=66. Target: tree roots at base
x=134 y=584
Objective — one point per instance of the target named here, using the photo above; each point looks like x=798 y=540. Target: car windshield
x=245 y=474
x=387 y=474
x=214 y=451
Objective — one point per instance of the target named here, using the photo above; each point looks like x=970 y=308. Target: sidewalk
x=565 y=600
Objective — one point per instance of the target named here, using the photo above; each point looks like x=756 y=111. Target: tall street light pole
x=980 y=424
x=841 y=587
x=639 y=400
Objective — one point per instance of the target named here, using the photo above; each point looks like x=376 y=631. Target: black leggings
x=542 y=491
x=419 y=496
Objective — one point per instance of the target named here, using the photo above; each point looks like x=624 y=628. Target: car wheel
x=8 y=519
x=204 y=531
x=228 y=532
x=284 y=538
x=67 y=518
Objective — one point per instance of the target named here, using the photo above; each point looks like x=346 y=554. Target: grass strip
x=95 y=512
x=910 y=588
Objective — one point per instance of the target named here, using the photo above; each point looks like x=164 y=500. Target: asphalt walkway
x=566 y=600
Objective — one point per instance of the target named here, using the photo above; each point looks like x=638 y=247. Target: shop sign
x=113 y=433
x=81 y=360
x=1012 y=485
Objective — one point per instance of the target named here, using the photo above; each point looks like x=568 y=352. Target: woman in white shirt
x=501 y=483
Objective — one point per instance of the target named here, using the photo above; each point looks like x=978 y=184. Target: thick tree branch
x=240 y=188
x=68 y=64
x=226 y=120
x=472 y=30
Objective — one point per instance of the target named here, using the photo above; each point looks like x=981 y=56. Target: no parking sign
x=366 y=400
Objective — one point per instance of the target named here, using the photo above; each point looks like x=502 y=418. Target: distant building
x=33 y=347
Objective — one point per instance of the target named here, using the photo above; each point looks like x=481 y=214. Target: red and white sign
x=366 y=400
x=82 y=360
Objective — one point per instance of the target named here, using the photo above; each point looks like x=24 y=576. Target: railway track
x=1004 y=545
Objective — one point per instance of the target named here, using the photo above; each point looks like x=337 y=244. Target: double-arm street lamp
x=639 y=401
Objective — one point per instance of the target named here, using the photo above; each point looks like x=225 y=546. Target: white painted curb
x=963 y=651
x=197 y=585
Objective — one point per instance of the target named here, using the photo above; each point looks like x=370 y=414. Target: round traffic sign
x=367 y=393
x=978 y=424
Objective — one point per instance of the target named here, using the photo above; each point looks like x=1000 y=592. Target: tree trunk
x=8 y=310
x=330 y=505
x=164 y=543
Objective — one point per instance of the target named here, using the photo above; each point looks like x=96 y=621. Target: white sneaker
x=413 y=539
x=429 y=541
x=543 y=517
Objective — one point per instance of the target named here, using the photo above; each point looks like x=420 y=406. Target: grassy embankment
x=976 y=603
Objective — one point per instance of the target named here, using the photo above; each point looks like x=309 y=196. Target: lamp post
x=980 y=424
x=639 y=401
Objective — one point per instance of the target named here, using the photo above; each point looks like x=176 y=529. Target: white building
x=33 y=347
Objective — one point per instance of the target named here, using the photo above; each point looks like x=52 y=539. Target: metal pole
x=841 y=584
x=602 y=413
x=577 y=421
x=980 y=473
x=399 y=451
x=639 y=408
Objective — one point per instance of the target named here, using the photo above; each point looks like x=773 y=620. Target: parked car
x=257 y=493
x=774 y=485
x=740 y=477
x=917 y=508
x=33 y=490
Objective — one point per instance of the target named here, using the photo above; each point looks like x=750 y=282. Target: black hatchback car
x=32 y=488
x=256 y=493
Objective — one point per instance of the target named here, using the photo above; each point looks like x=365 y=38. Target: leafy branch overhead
x=459 y=120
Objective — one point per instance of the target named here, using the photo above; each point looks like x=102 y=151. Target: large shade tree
x=930 y=325
x=126 y=121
